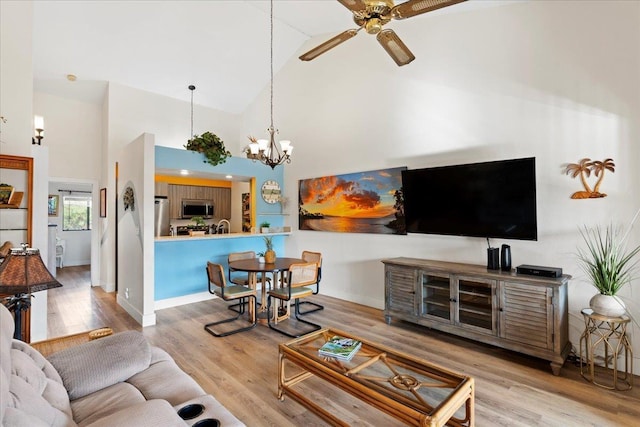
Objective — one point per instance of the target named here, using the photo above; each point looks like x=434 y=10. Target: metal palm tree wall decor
x=584 y=168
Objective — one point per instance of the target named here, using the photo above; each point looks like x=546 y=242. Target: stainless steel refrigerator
x=162 y=216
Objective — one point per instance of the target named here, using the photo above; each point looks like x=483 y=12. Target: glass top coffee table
x=410 y=389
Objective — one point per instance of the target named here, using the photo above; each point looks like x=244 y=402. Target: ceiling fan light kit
x=372 y=15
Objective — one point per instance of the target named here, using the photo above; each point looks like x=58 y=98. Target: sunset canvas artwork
x=361 y=202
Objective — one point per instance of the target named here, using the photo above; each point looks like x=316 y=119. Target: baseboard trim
x=143 y=319
x=182 y=300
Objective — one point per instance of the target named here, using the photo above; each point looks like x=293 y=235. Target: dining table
x=254 y=266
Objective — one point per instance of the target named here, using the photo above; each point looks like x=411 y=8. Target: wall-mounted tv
x=491 y=199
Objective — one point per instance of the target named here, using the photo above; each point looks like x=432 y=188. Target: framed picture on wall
x=359 y=202
x=103 y=203
x=53 y=204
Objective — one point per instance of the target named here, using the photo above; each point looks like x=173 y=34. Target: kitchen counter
x=180 y=275
x=218 y=236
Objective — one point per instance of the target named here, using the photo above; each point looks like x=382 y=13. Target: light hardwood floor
x=241 y=370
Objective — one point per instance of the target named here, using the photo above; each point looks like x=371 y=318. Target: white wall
x=135 y=230
x=16 y=77
x=133 y=111
x=556 y=80
x=16 y=106
x=73 y=131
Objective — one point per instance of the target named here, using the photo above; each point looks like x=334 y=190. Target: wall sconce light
x=38 y=124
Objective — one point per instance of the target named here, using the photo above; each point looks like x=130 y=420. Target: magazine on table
x=340 y=347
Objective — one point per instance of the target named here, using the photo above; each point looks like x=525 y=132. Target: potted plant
x=198 y=229
x=609 y=265
x=269 y=254
x=211 y=146
x=264 y=226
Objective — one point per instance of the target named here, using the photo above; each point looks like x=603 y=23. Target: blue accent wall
x=180 y=264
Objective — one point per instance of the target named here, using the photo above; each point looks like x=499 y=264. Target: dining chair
x=316 y=257
x=299 y=277
x=218 y=286
x=242 y=279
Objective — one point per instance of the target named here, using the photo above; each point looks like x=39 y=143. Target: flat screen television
x=491 y=199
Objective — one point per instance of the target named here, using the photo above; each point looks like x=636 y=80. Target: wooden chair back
x=215 y=273
x=309 y=256
x=303 y=274
x=236 y=256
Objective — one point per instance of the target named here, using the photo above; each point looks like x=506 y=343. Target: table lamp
x=21 y=273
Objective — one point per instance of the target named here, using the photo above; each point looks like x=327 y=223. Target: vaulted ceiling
x=221 y=47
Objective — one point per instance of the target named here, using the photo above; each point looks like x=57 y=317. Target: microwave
x=191 y=208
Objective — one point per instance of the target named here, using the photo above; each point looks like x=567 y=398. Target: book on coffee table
x=340 y=347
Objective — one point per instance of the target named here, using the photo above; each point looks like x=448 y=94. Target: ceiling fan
x=372 y=15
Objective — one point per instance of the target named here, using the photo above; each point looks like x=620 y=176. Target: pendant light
x=191 y=88
x=268 y=151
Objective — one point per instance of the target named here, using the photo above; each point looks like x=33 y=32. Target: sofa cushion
x=153 y=381
x=92 y=407
x=35 y=389
x=94 y=365
x=27 y=399
x=6 y=337
x=16 y=418
x=152 y=413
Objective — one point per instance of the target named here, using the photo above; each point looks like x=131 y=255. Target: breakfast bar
x=180 y=276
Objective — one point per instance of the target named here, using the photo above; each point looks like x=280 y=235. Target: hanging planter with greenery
x=211 y=146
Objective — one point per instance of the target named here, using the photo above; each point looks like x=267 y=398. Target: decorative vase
x=270 y=257
x=607 y=305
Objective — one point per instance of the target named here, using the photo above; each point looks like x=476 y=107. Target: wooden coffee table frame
x=384 y=394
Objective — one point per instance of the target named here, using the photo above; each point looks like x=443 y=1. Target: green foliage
x=268 y=242
x=198 y=220
x=76 y=215
x=606 y=260
x=211 y=146
x=265 y=224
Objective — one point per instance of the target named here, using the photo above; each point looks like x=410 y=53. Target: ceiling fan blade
x=417 y=7
x=329 y=44
x=354 y=5
x=395 y=47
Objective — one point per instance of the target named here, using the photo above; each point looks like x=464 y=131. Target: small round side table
x=608 y=334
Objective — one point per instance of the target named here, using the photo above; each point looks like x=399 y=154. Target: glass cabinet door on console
x=475 y=302
x=435 y=295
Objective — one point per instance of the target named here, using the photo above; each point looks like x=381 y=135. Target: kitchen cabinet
x=162 y=188
x=221 y=198
x=527 y=314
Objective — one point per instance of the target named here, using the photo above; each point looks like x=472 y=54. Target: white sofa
x=118 y=380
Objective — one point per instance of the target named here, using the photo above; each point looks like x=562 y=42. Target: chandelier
x=268 y=151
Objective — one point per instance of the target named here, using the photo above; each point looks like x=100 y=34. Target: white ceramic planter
x=607 y=305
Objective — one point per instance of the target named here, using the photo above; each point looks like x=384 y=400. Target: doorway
x=76 y=224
